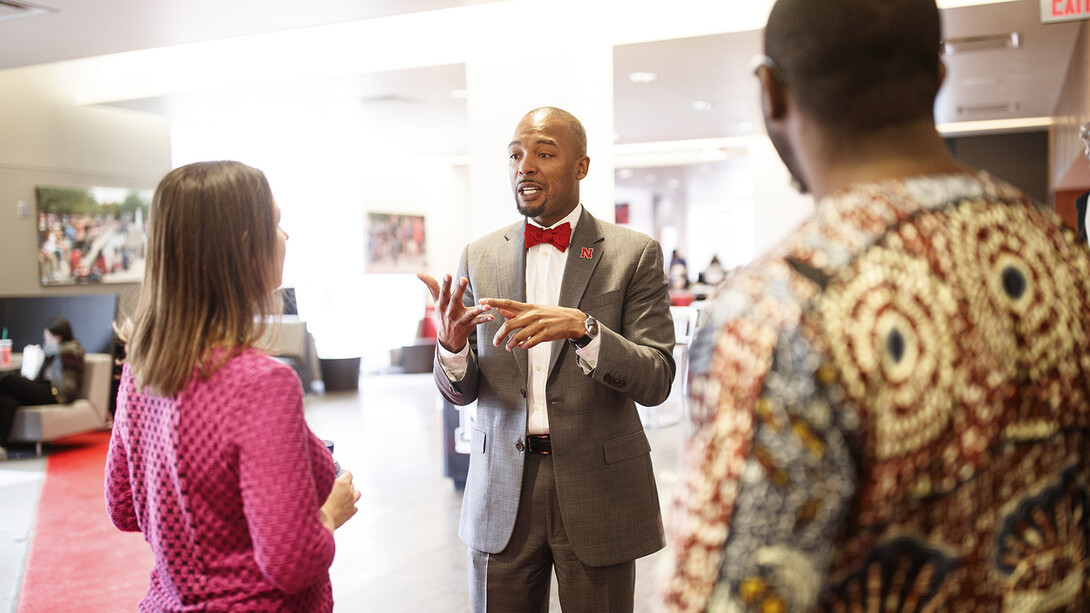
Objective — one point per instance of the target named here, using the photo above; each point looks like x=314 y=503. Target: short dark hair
x=60 y=328
x=858 y=65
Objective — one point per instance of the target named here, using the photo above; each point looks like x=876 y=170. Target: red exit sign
x=1064 y=10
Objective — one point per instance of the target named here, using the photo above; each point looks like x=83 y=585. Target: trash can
x=340 y=374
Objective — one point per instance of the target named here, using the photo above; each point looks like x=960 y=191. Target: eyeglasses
x=771 y=66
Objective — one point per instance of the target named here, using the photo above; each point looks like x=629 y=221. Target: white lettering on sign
x=1064 y=10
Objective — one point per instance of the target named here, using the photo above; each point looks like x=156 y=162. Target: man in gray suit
x=560 y=469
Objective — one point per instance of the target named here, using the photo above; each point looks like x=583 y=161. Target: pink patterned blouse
x=225 y=480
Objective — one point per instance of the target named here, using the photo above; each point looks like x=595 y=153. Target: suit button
x=519 y=446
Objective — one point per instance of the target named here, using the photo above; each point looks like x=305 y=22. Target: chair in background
x=685 y=323
x=43 y=423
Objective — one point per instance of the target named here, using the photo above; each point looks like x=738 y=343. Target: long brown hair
x=210 y=274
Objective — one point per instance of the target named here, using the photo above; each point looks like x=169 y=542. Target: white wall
x=329 y=167
x=738 y=213
x=641 y=214
x=779 y=207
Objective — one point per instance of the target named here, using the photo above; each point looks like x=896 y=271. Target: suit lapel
x=584 y=253
x=512 y=280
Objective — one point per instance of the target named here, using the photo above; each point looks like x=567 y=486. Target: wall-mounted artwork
x=91 y=234
x=620 y=213
x=395 y=243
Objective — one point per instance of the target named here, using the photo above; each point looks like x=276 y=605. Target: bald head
x=857 y=66
x=578 y=133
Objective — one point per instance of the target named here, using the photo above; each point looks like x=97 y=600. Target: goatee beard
x=526 y=211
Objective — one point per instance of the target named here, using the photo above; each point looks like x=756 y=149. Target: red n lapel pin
x=586 y=252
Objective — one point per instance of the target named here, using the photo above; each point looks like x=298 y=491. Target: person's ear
x=582 y=167
x=773 y=95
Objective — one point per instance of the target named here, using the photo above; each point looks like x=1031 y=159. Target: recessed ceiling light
x=993 y=107
x=643 y=77
x=953 y=4
x=991 y=42
x=702 y=105
x=673 y=183
x=958 y=128
x=624 y=173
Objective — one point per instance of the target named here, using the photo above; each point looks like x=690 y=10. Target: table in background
x=16 y=363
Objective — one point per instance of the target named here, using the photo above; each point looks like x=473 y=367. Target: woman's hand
x=340 y=506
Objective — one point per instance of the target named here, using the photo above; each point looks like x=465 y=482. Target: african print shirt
x=890 y=413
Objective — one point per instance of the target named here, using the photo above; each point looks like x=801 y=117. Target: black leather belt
x=539 y=443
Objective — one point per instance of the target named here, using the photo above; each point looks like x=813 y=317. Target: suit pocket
x=476 y=440
x=626 y=447
x=599 y=300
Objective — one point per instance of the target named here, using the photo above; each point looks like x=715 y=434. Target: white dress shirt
x=544 y=274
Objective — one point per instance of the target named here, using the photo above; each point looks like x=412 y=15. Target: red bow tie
x=559 y=236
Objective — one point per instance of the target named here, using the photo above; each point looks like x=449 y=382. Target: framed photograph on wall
x=395 y=243
x=91 y=234
x=620 y=213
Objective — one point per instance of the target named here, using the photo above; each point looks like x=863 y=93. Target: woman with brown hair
x=210 y=456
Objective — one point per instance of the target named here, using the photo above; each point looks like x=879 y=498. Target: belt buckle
x=539 y=444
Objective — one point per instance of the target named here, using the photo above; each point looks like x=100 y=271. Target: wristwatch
x=592 y=332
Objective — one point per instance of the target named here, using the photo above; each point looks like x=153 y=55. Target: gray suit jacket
x=601 y=457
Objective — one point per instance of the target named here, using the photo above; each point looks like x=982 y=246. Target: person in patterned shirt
x=890 y=409
x=210 y=455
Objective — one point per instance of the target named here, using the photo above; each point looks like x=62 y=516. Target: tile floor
x=401 y=552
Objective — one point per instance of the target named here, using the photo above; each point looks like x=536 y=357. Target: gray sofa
x=48 y=422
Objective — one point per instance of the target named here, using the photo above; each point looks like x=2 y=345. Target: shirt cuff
x=453 y=364
x=587 y=357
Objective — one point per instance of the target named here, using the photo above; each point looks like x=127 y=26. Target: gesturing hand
x=456 y=322
x=534 y=323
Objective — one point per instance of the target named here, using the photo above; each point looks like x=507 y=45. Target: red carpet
x=78 y=561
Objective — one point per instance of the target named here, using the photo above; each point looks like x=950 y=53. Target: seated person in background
x=714 y=273
x=211 y=457
x=58 y=380
x=890 y=407
x=1080 y=202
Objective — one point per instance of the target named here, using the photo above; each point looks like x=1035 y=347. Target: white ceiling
x=86 y=28
x=1001 y=84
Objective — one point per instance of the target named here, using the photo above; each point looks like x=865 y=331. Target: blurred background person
x=890 y=407
x=58 y=379
x=714 y=273
x=1080 y=202
x=210 y=455
x=679 y=271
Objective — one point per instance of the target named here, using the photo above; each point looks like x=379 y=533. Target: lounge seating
x=48 y=422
